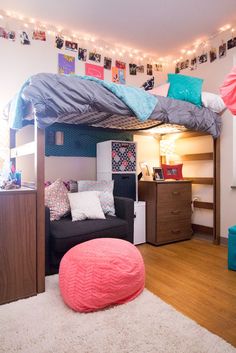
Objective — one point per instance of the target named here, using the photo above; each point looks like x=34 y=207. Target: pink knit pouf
x=99 y=273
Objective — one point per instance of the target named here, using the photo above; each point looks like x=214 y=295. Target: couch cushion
x=65 y=233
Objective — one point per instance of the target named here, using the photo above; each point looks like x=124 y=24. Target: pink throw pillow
x=56 y=199
x=161 y=90
x=228 y=91
x=99 y=273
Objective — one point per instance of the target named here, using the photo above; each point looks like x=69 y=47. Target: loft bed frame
x=89 y=103
x=37 y=147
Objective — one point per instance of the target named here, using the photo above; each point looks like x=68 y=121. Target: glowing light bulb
x=183 y=51
x=1 y=17
x=26 y=25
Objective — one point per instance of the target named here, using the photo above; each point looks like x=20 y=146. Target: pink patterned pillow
x=56 y=199
x=161 y=90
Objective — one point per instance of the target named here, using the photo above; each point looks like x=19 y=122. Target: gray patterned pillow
x=106 y=193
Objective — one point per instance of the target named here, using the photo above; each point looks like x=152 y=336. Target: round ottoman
x=99 y=273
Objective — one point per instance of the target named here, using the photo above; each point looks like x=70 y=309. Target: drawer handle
x=175 y=212
x=175 y=192
x=175 y=231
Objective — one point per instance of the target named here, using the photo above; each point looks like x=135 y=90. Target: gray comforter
x=55 y=98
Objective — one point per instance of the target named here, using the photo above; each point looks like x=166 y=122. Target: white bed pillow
x=85 y=205
x=213 y=102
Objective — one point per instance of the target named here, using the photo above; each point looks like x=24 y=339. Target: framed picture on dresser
x=158 y=173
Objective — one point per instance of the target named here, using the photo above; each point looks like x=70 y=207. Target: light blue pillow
x=185 y=88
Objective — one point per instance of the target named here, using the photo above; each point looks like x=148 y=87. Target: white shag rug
x=44 y=324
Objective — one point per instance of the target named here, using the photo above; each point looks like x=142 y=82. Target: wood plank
x=186 y=134
x=192 y=276
x=13 y=144
x=216 y=196
x=23 y=150
x=17 y=245
x=203 y=204
x=198 y=228
x=204 y=181
x=197 y=157
x=39 y=172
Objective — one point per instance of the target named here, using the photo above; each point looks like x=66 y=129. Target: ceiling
x=158 y=27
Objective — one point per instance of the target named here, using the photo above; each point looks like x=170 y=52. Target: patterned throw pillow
x=105 y=196
x=56 y=199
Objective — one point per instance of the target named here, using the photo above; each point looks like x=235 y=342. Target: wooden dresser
x=18 y=277
x=168 y=210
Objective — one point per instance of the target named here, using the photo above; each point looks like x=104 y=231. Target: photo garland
x=213 y=54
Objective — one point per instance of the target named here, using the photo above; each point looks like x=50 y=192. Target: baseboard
x=197 y=228
x=224 y=241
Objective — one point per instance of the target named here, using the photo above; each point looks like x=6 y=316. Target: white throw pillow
x=213 y=102
x=85 y=205
x=106 y=193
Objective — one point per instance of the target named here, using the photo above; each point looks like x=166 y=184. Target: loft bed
x=50 y=98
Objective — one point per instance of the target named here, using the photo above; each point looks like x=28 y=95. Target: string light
x=119 y=50
x=203 y=44
x=68 y=35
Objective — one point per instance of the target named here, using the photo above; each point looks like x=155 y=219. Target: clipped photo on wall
x=202 y=58
x=140 y=69
x=11 y=35
x=71 y=45
x=3 y=33
x=231 y=43
x=93 y=56
x=82 y=54
x=107 y=63
x=120 y=65
x=132 y=69
x=213 y=54
x=158 y=67
x=222 y=50
x=149 y=69
x=193 y=64
x=39 y=35
x=24 y=38
x=59 y=42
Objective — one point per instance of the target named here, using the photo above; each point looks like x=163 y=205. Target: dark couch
x=64 y=234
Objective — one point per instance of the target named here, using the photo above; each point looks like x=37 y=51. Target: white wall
x=213 y=75
x=18 y=62
x=147 y=151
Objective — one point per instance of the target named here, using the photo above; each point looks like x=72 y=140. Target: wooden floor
x=193 y=277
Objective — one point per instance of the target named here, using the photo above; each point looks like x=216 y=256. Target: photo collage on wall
x=67 y=61
x=213 y=54
x=24 y=36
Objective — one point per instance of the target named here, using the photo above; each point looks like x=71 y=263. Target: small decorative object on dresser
x=146 y=175
x=168 y=210
x=172 y=171
x=158 y=173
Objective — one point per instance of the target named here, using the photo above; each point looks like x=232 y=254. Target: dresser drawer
x=179 y=230
x=174 y=212
x=176 y=193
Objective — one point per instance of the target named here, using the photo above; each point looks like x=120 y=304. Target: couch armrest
x=124 y=208
x=47 y=240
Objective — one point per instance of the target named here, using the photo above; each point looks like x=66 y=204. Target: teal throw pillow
x=185 y=88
